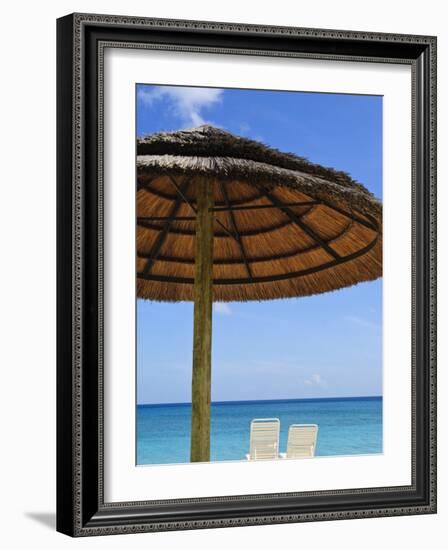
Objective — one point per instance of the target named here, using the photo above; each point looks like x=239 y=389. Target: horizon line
x=352 y=397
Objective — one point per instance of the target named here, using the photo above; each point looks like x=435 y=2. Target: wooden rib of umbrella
x=225 y=218
x=234 y=233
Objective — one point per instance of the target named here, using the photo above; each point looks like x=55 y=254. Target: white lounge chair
x=302 y=440
x=264 y=439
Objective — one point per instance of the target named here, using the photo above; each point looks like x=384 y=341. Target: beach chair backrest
x=301 y=440
x=264 y=438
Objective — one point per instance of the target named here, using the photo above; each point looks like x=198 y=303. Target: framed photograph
x=246 y=274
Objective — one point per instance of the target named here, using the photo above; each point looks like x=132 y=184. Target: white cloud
x=186 y=102
x=316 y=380
x=362 y=322
x=222 y=308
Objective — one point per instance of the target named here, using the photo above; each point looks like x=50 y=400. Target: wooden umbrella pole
x=202 y=337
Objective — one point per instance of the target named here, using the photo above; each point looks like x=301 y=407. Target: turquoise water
x=347 y=426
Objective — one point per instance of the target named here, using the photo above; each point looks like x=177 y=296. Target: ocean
x=347 y=426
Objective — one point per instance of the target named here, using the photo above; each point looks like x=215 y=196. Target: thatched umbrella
x=225 y=218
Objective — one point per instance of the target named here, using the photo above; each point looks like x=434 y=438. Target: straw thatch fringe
x=261 y=173
x=208 y=141
x=367 y=268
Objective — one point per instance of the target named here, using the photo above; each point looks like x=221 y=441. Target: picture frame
x=81 y=506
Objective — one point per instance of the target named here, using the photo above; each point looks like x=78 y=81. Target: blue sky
x=322 y=346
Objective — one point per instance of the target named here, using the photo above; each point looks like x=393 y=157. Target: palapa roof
x=283 y=227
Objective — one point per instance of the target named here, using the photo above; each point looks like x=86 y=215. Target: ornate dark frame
x=81 y=39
